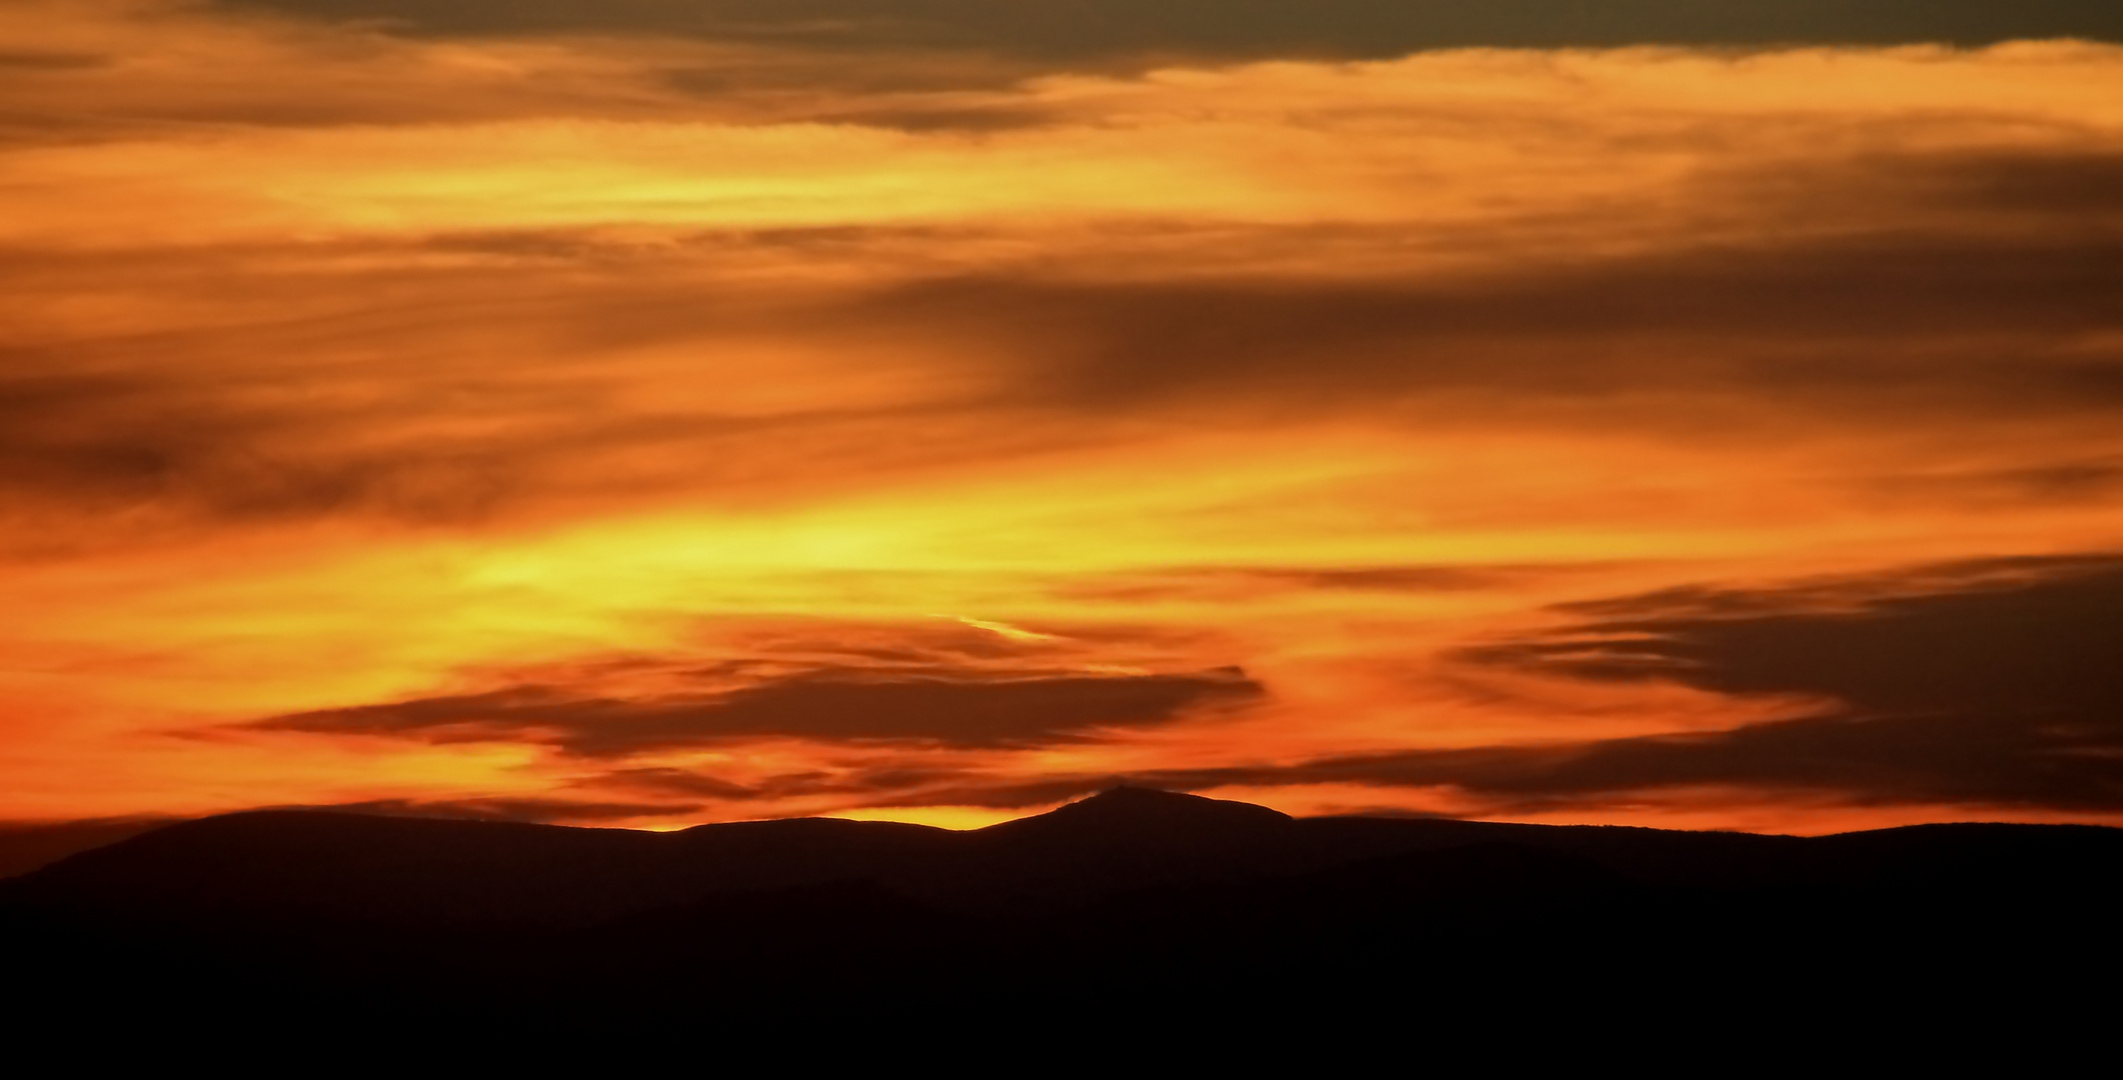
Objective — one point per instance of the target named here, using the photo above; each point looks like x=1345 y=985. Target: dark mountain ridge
x=1150 y=892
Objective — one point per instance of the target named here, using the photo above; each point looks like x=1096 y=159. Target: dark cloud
x=871 y=783
x=2003 y=760
x=1240 y=582
x=50 y=61
x=938 y=785
x=1922 y=319
x=279 y=418
x=123 y=441
x=372 y=394
x=2080 y=184
x=1984 y=683
x=2071 y=481
x=958 y=710
x=1991 y=682
x=2035 y=638
x=965 y=790
x=923 y=118
x=1969 y=760
x=2005 y=190
x=1090 y=30
x=518 y=808
x=684 y=782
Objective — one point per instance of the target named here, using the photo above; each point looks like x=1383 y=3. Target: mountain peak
x=1128 y=808
x=1137 y=798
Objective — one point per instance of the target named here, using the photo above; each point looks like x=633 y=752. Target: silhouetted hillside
x=1133 y=900
x=28 y=847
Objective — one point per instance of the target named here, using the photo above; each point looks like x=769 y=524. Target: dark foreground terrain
x=1133 y=907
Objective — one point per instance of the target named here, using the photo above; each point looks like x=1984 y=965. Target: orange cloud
x=549 y=391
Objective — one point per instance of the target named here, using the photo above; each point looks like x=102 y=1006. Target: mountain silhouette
x=1127 y=813
x=1132 y=900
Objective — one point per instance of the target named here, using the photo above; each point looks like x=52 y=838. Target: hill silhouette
x=1132 y=900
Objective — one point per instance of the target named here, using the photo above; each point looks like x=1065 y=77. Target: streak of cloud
x=944 y=711
x=1082 y=31
x=583 y=410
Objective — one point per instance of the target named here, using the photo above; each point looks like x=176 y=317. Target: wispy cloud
x=942 y=710
x=651 y=411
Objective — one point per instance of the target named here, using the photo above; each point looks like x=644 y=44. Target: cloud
x=268 y=326
x=540 y=809
x=489 y=334
x=928 y=784
x=868 y=783
x=2006 y=761
x=1938 y=325
x=382 y=414
x=1988 y=683
x=113 y=442
x=2003 y=762
x=348 y=401
x=1066 y=31
x=51 y=61
x=954 y=709
x=2033 y=637
x=1240 y=583
x=1991 y=682
x=113 y=69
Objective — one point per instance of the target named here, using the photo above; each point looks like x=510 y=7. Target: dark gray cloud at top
x=958 y=710
x=1090 y=30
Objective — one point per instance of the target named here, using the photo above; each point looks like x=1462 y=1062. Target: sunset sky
x=654 y=412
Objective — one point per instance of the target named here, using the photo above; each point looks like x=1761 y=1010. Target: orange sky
x=531 y=426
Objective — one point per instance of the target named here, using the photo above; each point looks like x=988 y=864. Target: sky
x=658 y=412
